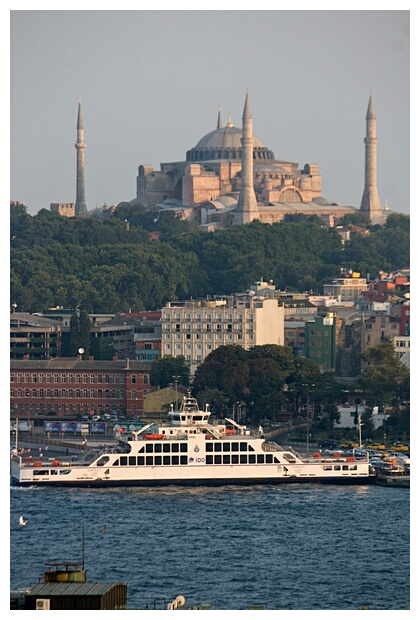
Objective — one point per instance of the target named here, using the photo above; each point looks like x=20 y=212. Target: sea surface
x=299 y=547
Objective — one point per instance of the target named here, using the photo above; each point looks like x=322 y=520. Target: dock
x=393 y=481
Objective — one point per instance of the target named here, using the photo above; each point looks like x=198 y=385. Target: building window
x=34 y=378
x=55 y=377
x=78 y=378
x=92 y=378
x=26 y=378
x=63 y=393
x=92 y=393
x=114 y=378
x=70 y=379
x=63 y=378
x=85 y=393
x=133 y=378
x=41 y=393
x=33 y=393
x=19 y=378
x=133 y=394
x=78 y=393
x=85 y=378
x=71 y=393
x=145 y=379
x=55 y=392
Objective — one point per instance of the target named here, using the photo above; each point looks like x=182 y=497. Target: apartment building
x=346 y=289
x=195 y=328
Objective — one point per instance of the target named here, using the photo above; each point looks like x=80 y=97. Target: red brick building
x=68 y=387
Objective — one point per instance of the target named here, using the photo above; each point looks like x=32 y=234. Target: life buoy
x=55 y=463
x=191 y=431
x=208 y=436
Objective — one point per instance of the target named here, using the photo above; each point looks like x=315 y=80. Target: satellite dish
x=81 y=351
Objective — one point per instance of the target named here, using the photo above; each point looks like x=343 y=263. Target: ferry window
x=226 y=446
x=268 y=458
x=166 y=447
x=251 y=459
x=276 y=460
x=158 y=460
x=243 y=459
x=345 y=467
x=260 y=458
x=166 y=460
x=140 y=460
x=235 y=446
x=149 y=448
x=123 y=460
x=235 y=459
x=209 y=446
x=337 y=467
x=131 y=460
x=175 y=460
x=327 y=467
x=149 y=460
x=175 y=447
x=158 y=447
x=183 y=459
x=226 y=459
x=53 y=472
x=251 y=448
x=116 y=463
x=103 y=461
x=243 y=446
x=218 y=459
x=184 y=447
x=65 y=472
x=217 y=447
x=353 y=467
x=141 y=449
x=209 y=459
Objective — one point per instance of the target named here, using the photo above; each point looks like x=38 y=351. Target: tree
x=167 y=370
x=385 y=381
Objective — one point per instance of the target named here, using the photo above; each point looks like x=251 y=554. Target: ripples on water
x=302 y=547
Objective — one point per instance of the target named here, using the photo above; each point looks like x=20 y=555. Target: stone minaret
x=80 y=145
x=247 y=208
x=219 y=120
x=370 y=201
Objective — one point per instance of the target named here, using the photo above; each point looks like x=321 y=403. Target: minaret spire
x=247 y=208
x=80 y=145
x=370 y=201
x=219 y=120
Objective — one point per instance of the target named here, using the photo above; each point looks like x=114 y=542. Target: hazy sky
x=150 y=84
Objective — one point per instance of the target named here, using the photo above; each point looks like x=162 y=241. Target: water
x=303 y=547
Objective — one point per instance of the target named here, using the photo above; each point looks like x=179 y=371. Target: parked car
x=376 y=446
x=332 y=451
x=349 y=445
x=399 y=447
x=331 y=444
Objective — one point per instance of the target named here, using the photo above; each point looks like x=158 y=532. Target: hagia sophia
x=231 y=177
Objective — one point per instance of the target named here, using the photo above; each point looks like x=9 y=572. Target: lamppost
x=307 y=385
x=235 y=405
x=175 y=378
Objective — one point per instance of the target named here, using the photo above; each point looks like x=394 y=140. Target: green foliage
x=101 y=266
x=169 y=370
x=385 y=382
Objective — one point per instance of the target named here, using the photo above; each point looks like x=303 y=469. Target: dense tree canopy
x=107 y=266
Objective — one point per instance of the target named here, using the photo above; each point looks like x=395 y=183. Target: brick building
x=68 y=387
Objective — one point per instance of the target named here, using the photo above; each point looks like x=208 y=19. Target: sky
x=151 y=82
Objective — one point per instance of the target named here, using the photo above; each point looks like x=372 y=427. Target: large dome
x=225 y=143
x=224 y=138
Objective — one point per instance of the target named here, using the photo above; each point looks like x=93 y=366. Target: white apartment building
x=195 y=328
x=346 y=289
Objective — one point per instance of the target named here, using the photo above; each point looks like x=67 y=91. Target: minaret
x=80 y=145
x=219 y=120
x=370 y=201
x=247 y=208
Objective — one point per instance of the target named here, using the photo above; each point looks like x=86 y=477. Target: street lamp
x=237 y=403
x=175 y=378
x=307 y=385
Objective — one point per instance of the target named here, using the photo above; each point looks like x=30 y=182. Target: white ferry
x=191 y=450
